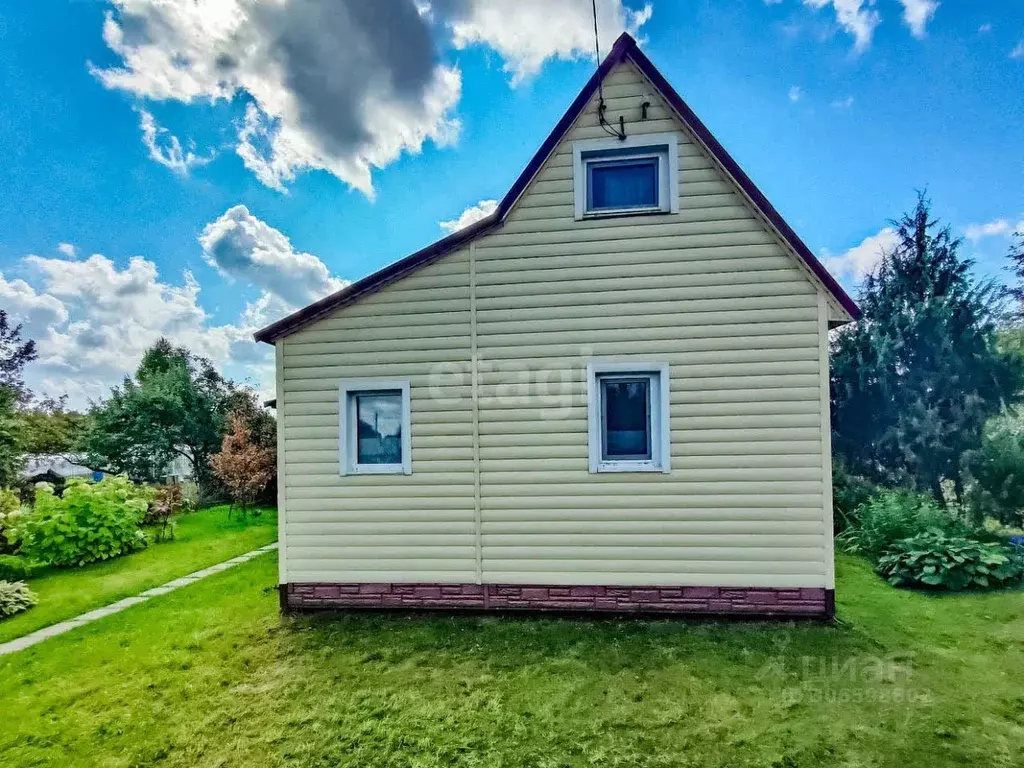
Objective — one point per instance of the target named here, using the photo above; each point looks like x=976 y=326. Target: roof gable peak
x=625 y=47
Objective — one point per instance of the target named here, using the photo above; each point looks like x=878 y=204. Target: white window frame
x=347 y=453
x=664 y=146
x=661 y=444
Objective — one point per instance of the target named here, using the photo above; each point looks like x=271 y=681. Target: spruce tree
x=915 y=380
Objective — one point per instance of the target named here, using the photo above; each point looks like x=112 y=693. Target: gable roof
x=625 y=48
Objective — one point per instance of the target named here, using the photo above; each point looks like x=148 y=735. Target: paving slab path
x=27 y=641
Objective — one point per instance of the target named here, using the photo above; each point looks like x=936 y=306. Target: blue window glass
x=618 y=184
x=379 y=427
x=626 y=418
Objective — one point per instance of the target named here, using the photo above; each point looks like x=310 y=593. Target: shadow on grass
x=605 y=645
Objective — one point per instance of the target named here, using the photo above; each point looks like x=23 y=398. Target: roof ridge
x=625 y=47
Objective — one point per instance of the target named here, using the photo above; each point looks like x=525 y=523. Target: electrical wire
x=605 y=125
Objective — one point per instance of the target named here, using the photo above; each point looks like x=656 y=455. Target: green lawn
x=203 y=539
x=210 y=675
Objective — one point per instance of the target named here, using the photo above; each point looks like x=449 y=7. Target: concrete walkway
x=26 y=641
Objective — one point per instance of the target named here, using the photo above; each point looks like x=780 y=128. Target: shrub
x=15 y=597
x=849 y=493
x=935 y=560
x=244 y=465
x=166 y=504
x=10 y=509
x=890 y=516
x=997 y=471
x=89 y=522
x=17 y=568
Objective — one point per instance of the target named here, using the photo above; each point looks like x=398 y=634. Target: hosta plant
x=88 y=522
x=15 y=597
x=934 y=560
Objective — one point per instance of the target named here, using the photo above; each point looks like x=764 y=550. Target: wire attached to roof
x=620 y=132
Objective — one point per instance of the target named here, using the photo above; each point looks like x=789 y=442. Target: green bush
x=89 y=522
x=17 y=568
x=997 y=473
x=889 y=516
x=10 y=508
x=935 y=560
x=15 y=597
x=849 y=493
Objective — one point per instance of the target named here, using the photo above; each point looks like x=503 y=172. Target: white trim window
x=628 y=417
x=374 y=437
x=613 y=177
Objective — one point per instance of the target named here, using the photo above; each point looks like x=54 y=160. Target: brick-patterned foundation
x=724 y=601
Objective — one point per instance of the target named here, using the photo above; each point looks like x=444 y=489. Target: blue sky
x=122 y=122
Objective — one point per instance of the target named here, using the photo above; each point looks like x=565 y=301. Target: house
x=611 y=394
x=52 y=467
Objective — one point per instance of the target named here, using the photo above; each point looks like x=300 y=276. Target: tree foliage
x=915 y=380
x=245 y=465
x=997 y=471
x=50 y=427
x=11 y=437
x=174 y=406
x=15 y=354
x=1016 y=266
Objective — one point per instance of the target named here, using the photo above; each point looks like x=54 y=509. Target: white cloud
x=341 y=86
x=165 y=148
x=795 y=93
x=841 y=104
x=266 y=309
x=240 y=245
x=527 y=33
x=984 y=29
x=36 y=312
x=857 y=17
x=994 y=228
x=975 y=232
x=67 y=249
x=862 y=259
x=917 y=14
x=469 y=216
x=1018 y=51
x=92 y=320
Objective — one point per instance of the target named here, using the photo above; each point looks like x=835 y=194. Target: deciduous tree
x=176 y=405
x=15 y=354
x=51 y=428
x=243 y=465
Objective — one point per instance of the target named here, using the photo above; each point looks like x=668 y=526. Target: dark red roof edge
x=746 y=184
x=624 y=47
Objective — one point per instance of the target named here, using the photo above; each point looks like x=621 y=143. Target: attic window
x=623 y=178
x=374 y=429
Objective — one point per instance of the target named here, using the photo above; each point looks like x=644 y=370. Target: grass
x=203 y=539
x=211 y=675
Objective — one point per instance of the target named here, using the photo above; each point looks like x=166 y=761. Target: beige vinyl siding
x=710 y=290
x=419 y=527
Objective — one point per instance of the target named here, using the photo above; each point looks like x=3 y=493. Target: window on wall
x=628 y=417
x=374 y=433
x=621 y=178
